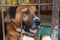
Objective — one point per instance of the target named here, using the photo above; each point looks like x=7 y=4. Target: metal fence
x=55 y=15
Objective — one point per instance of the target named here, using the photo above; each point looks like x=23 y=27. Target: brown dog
x=30 y=24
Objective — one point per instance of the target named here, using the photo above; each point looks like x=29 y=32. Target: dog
x=29 y=21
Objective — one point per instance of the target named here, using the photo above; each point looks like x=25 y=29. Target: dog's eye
x=26 y=12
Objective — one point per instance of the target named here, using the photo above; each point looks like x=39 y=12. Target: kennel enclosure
x=55 y=13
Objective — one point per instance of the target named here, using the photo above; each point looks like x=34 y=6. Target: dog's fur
x=15 y=23
x=45 y=37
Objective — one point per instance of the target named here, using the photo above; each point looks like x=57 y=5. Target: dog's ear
x=12 y=11
x=18 y=10
x=33 y=9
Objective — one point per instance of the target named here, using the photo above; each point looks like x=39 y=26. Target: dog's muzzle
x=35 y=25
x=36 y=21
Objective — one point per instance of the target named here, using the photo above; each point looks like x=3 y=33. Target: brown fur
x=14 y=24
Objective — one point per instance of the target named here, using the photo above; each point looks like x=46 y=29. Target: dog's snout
x=37 y=22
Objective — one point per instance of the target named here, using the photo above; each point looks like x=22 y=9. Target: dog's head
x=30 y=22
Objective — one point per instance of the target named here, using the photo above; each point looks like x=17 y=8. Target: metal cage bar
x=39 y=17
x=31 y=4
x=3 y=28
x=21 y=17
x=55 y=19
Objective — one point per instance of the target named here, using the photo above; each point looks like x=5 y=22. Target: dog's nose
x=37 y=22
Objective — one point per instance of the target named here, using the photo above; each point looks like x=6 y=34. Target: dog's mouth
x=32 y=26
x=32 y=30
